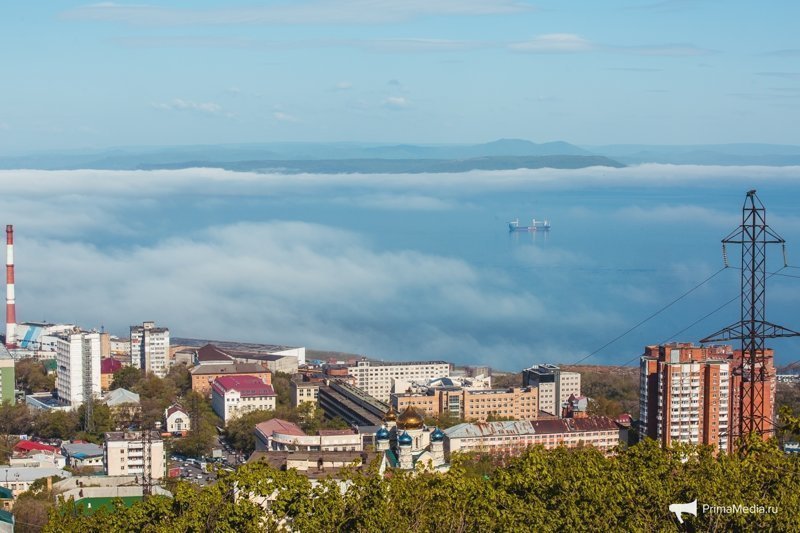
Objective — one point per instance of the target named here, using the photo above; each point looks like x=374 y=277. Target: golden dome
x=410 y=419
x=390 y=416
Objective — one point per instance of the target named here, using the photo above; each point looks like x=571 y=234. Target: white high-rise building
x=555 y=386
x=150 y=348
x=376 y=377
x=78 y=371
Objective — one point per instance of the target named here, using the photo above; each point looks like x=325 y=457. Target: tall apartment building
x=691 y=394
x=78 y=373
x=126 y=454
x=150 y=348
x=519 y=403
x=555 y=386
x=375 y=377
x=7 y=376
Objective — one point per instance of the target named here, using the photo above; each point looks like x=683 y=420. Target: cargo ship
x=536 y=225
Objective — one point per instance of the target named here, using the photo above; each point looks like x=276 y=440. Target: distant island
x=397 y=166
x=351 y=157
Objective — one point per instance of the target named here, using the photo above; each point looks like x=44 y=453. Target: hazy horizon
x=203 y=72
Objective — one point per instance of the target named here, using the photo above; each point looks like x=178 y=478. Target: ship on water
x=536 y=225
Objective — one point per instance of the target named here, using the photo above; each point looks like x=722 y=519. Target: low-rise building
x=204 y=375
x=518 y=403
x=83 y=455
x=351 y=404
x=19 y=478
x=176 y=419
x=107 y=368
x=233 y=396
x=134 y=453
x=513 y=437
x=304 y=389
x=281 y=435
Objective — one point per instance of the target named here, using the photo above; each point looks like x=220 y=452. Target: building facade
x=519 y=403
x=376 y=377
x=176 y=419
x=281 y=435
x=233 y=396
x=7 y=376
x=514 y=437
x=304 y=390
x=339 y=399
x=555 y=386
x=204 y=375
x=691 y=394
x=130 y=453
x=107 y=368
x=150 y=348
x=78 y=373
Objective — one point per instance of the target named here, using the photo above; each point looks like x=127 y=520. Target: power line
x=642 y=322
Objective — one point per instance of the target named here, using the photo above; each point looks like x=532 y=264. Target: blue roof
x=7 y=517
x=382 y=434
x=405 y=439
x=437 y=435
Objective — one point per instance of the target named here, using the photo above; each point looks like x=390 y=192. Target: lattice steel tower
x=754 y=382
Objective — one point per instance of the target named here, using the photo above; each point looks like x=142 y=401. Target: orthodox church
x=407 y=442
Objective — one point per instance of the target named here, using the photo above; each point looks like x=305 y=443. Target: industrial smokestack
x=11 y=308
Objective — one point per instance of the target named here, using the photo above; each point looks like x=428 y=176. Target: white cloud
x=343 y=86
x=570 y=43
x=402 y=202
x=283 y=117
x=396 y=102
x=308 y=12
x=554 y=43
x=179 y=104
x=314 y=285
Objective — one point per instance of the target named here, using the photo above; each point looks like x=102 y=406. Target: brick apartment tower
x=690 y=394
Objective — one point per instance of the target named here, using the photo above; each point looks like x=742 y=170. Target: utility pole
x=754 y=380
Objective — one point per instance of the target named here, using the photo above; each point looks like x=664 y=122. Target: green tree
x=15 y=420
x=102 y=421
x=280 y=382
x=181 y=378
x=56 y=424
x=32 y=377
x=127 y=378
x=539 y=490
x=202 y=435
x=156 y=394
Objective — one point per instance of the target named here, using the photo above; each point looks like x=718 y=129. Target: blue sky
x=79 y=75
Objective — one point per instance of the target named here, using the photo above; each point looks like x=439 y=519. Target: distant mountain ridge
x=323 y=157
x=399 y=166
x=499 y=154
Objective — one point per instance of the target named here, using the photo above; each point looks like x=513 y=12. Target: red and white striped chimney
x=11 y=307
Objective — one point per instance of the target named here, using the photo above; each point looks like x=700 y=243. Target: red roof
x=283 y=427
x=175 y=408
x=210 y=353
x=247 y=386
x=25 y=446
x=109 y=365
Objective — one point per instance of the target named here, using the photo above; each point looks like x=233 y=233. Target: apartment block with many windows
x=690 y=394
x=375 y=377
